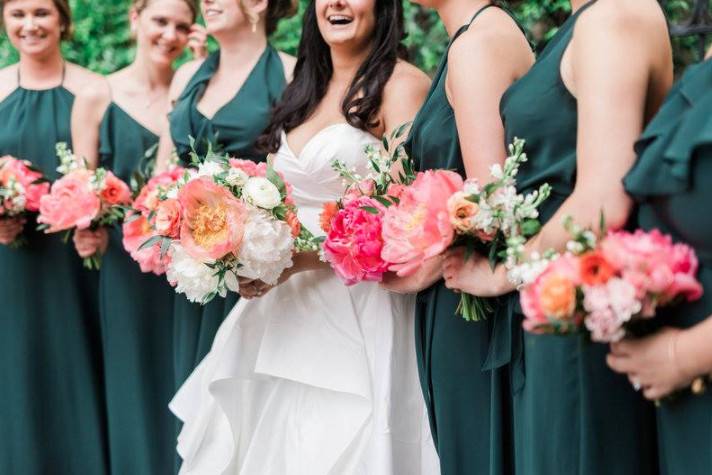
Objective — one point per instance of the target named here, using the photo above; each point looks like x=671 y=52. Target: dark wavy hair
x=314 y=69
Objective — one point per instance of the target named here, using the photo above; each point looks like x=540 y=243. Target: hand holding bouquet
x=82 y=199
x=21 y=188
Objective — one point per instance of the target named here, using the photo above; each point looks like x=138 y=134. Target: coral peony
x=71 y=203
x=136 y=232
x=213 y=220
x=419 y=226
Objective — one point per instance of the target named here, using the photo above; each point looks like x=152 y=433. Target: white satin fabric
x=315 y=377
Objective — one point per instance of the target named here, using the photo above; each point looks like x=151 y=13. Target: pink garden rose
x=213 y=220
x=20 y=171
x=115 y=191
x=135 y=233
x=353 y=245
x=168 y=218
x=249 y=167
x=419 y=228
x=70 y=203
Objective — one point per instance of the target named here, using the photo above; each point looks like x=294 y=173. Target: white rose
x=262 y=193
x=266 y=248
x=210 y=168
x=236 y=177
x=191 y=277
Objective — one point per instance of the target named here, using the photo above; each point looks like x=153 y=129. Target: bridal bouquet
x=144 y=221
x=21 y=188
x=604 y=286
x=353 y=225
x=229 y=218
x=439 y=211
x=82 y=199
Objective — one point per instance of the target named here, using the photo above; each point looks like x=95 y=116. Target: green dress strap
x=569 y=394
x=51 y=403
x=671 y=181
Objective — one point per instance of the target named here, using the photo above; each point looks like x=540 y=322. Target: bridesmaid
x=136 y=308
x=670 y=180
x=51 y=402
x=580 y=109
x=459 y=128
x=224 y=100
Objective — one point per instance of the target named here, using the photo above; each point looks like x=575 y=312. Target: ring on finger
x=636 y=384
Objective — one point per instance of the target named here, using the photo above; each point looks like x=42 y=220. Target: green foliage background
x=102 y=41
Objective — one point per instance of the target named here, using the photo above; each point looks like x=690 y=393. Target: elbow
x=617 y=211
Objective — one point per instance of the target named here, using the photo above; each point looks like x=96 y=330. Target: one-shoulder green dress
x=233 y=129
x=572 y=414
x=137 y=327
x=671 y=181
x=51 y=390
x=468 y=407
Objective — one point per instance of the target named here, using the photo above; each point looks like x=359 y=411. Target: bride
x=315 y=377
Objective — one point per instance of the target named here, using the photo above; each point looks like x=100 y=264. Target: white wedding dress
x=315 y=377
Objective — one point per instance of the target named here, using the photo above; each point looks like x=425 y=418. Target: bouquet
x=353 y=225
x=229 y=218
x=82 y=199
x=439 y=211
x=21 y=188
x=603 y=287
x=144 y=222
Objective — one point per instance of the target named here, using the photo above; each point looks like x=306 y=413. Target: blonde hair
x=140 y=5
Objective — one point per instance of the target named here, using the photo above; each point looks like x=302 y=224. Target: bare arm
x=89 y=107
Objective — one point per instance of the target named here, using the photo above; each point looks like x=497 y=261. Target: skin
x=668 y=360
x=474 y=98
x=349 y=44
x=619 y=67
x=163 y=29
x=34 y=28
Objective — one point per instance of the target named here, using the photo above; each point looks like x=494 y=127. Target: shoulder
x=407 y=81
x=622 y=19
x=8 y=80
x=90 y=89
x=288 y=62
x=182 y=76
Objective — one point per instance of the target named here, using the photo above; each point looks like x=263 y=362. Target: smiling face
x=346 y=23
x=162 y=29
x=34 y=27
x=222 y=15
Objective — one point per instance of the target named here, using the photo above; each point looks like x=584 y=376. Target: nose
x=337 y=4
x=28 y=23
x=169 y=33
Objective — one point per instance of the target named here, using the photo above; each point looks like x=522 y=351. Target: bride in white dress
x=315 y=377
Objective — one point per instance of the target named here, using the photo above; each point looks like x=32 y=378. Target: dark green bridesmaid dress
x=572 y=414
x=468 y=407
x=671 y=180
x=137 y=328
x=51 y=398
x=233 y=129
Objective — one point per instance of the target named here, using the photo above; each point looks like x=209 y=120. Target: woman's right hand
x=198 y=41
x=89 y=243
x=427 y=274
x=9 y=229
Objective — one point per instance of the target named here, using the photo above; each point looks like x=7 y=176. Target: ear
x=258 y=7
x=133 y=19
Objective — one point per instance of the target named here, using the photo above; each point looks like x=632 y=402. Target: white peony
x=262 y=193
x=191 y=277
x=236 y=177
x=210 y=168
x=266 y=248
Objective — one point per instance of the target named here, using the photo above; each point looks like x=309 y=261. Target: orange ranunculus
x=558 y=296
x=595 y=269
x=115 y=191
x=327 y=215
x=213 y=220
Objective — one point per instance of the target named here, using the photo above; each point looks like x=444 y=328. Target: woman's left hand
x=474 y=275
x=198 y=41
x=651 y=363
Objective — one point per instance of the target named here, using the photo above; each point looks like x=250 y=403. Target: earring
x=253 y=24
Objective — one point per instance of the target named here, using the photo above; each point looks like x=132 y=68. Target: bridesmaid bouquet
x=82 y=199
x=439 y=211
x=229 y=218
x=602 y=287
x=143 y=220
x=21 y=188
x=353 y=225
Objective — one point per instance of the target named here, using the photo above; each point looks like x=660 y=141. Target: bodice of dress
x=313 y=179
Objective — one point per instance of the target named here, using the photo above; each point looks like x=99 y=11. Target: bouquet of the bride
x=229 y=218
x=21 y=188
x=82 y=199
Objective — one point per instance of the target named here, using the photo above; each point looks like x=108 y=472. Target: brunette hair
x=140 y=5
x=314 y=69
x=65 y=16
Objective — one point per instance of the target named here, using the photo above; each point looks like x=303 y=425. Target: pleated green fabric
x=136 y=326
x=234 y=130
x=572 y=414
x=51 y=402
x=671 y=180
x=468 y=407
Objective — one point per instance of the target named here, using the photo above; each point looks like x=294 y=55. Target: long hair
x=314 y=69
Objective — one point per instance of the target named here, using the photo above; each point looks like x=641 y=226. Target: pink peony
x=213 y=220
x=168 y=218
x=249 y=167
x=135 y=233
x=70 y=203
x=353 y=245
x=419 y=226
x=684 y=264
x=365 y=187
x=115 y=191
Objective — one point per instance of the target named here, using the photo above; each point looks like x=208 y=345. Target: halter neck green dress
x=52 y=398
x=572 y=414
x=233 y=129
x=468 y=407
x=137 y=327
x=671 y=181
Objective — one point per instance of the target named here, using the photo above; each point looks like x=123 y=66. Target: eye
x=17 y=14
x=183 y=28
x=42 y=13
x=160 y=21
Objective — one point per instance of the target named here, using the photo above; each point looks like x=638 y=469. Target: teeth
x=341 y=19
